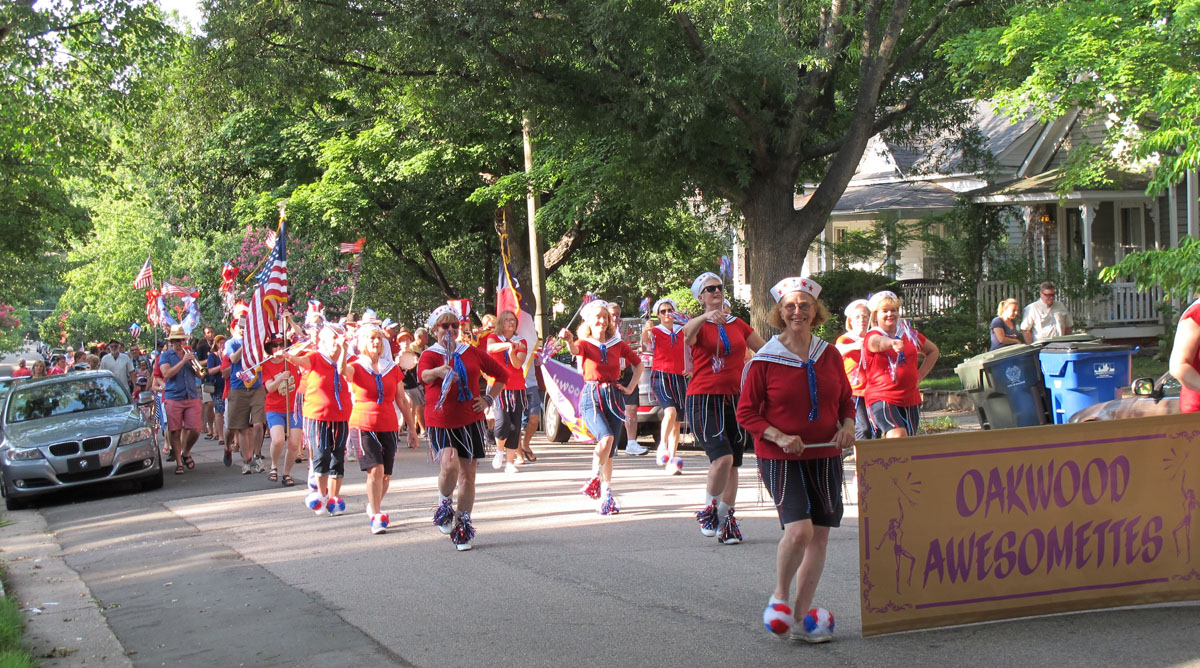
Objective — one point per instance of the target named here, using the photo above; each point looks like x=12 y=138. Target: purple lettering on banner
x=1099 y=531
x=959 y=564
x=1118 y=472
x=1151 y=539
x=1039 y=494
x=1039 y=549
x=981 y=554
x=1081 y=543
x=995 y=491
x=1013 y=485
x=1006 y=559
x=934 y=563
x=977 y=480
x=564 y=385
x=1115 y=530
x=1092 y=496
x=1060 y=498
x=1058 y=553
x=1131 y=528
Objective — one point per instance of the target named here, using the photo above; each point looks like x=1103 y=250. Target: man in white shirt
x=1046 y=318
x=118 y=364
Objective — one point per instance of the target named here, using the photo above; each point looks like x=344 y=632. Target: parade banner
x=977 y=526
x=564 y=384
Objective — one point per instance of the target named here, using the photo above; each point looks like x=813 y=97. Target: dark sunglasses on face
x=448 y=325
x=1049 y=294
x=666 y=310
x=712 y=288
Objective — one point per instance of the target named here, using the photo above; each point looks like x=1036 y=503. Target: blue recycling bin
x=1079 y=374
x=1006 y=386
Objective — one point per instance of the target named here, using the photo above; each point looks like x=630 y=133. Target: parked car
x=5 y=384
x=70 y=431
x=1150 y=397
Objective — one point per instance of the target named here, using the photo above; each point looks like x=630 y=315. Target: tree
x=740 y=103
x=1129 y=66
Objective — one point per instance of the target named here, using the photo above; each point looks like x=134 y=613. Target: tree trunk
x=777 y=239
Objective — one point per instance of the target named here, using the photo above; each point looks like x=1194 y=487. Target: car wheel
x=552 y=424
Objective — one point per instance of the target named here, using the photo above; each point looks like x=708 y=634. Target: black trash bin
x=1006 y=386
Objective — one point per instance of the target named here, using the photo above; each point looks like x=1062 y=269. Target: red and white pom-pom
x=818 y=620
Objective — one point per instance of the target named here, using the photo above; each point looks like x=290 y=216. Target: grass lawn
x=1146 y=366
x=941 y=383
x=12 y=624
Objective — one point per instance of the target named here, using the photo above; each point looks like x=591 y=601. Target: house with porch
x=1021 y=170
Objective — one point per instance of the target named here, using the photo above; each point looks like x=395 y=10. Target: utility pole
x=533 y=201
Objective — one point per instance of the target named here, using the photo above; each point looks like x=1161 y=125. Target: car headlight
x=24 y=454
x=134 y=436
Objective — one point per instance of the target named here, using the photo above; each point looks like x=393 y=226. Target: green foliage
x=957 y=335
x=1130 y=60
x=839 y=287
x=961 y=243
x=12 y=625
x=1073 y=282
x=1177 y=269
x=876 y=248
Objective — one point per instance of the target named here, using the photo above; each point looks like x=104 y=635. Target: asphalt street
x=220 y=569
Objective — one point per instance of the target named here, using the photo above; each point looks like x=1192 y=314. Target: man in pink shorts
x=181 y=398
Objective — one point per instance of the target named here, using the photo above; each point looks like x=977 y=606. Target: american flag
x=145 y=277
x=352 y=247
x=135 y=330
x=270 y=293
x=169 y=290
x=589 y=297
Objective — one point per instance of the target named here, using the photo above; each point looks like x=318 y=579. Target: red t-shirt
x=608 y=371
x=708 y=344
x=777 y=395
x=850 y=360
x=225 y=364
x=516 y=375
x=900 y=391
x=1189 y=400
x=321 y=398
x=276 y=402
x=369 y=413
x=667 y=358
x=455 y=413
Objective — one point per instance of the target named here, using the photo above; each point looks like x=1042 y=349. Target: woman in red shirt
x=326 y=418
x=889 y=360
x=454 y=418
x=667 y=378
x=601 y=403
x=796 y=401
x=284 y=423
x=509 y=350
x=718 y=343
x=374 y=381
x=1185 y=358
x=849 y=344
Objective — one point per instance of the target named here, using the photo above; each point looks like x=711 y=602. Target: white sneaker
x=632 y=448
x=511 y=468
x=498 y=460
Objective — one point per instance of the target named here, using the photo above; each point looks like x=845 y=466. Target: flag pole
x=354 y=282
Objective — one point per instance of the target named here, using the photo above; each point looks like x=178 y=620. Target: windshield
x=76 y=396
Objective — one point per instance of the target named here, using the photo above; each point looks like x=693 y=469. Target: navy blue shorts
x=467 y=440
x=670 y=389
x=805 y=489
x=377 y=448
x=713 y=418
x=327 y=440
x=887 y=417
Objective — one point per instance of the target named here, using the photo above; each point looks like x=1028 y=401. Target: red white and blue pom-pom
x=464 y=531
x=336 y=506
x=675 y=466
x=444 y=514
x=819 y=620
x=663 y=458
x=777 y=618
x=314 y=501
x=610 y=506
x=591 y=488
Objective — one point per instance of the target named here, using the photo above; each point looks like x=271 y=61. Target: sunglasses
x=448 y=325
x=666 y=310
x=711 y=288
x=1049 y=294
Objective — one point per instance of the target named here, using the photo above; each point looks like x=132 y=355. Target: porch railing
x=1123 y=304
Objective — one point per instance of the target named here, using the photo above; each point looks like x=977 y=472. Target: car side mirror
x=1143 y=387
x=145 y=398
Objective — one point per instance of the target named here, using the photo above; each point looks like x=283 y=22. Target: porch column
x=1193 y=215
x=1029 y=227
x=1151 y=209
x=1087 y=214
x=1060 y=226
x=1173 y=214
x=1118 y=249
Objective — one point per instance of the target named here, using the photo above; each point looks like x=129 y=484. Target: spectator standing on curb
x=1045 y=318
x=119 y=365
x=1003 y=330
x=1185 y=358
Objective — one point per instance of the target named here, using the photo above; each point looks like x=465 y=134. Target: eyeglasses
x=666 y=310
x=448 y=325
x=711 y=288
x=1049 y=294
